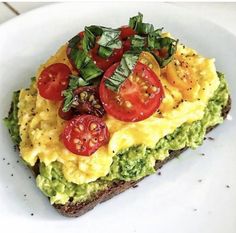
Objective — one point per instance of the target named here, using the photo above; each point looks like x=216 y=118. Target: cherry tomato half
x=105 y=63
x=53 y=80
x=126 y=31
x=138 y=97
x=84 y=134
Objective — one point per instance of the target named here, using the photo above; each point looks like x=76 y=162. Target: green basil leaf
x=74 y=41
x=165 y=43
x=68 y=99
x=96 y=30
x=123 y=71
x=153 y=36
x=74 y=83
x=110 y=38
x=135 y=19
x=137 y=42
x=105 y=52
x=144 y=28
x=89 y=70
x=78 y=56
x=89 y=39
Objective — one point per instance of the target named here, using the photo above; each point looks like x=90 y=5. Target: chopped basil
x=144 y=28
x=110 y=38
x=133 y=21
x=89 y=70
x=96 y=30
x=74 y=41
x=153 y=36
x=104 y=52
x=78 y=56
x=74 y=83
x=124 y=69
x=89 y=39
x=169 y=45
x=137 y=42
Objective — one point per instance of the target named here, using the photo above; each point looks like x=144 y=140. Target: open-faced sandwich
x=111 y=107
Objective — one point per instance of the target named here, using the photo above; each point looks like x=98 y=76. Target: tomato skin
x=126 y=45
x=84 y=134
x=65 y=115
x=126 y=31
x=53 y=80
x=130 y=102
x=105 y=63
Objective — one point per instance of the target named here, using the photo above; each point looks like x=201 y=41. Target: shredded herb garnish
x=74 y=83
x=124 y=69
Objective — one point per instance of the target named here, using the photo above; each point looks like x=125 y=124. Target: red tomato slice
x=53 y=80
x=126 y=31
x=105 y=63
x=137 y=98
x=126 y=45
x=84 y=134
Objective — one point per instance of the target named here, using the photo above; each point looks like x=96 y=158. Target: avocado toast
x=183 y=97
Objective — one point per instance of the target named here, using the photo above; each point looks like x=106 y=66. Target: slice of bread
x=77 y=209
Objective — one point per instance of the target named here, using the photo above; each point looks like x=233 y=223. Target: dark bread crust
x=77 y=209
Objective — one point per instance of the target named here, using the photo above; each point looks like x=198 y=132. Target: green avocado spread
x=132 y=163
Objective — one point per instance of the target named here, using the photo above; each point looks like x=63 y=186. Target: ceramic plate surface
x=175 y=201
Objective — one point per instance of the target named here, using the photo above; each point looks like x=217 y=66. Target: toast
x=90 y=128
x=77 y=209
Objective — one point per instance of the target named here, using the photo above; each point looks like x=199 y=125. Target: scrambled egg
x=40 y=125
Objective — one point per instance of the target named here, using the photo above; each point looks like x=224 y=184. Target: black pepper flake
x=29 y=177
x=202 y=154
x=159 y=173
x=25 y=195
x=194 y=209
x=227 y=186
x=135 y=186
x=113 y=151
x=199 y=180
x=32 y=214
x=3 y=159
x=17 y=161
x=211 y=138
x=47 y=110
x=8 y=163
x=11 y=174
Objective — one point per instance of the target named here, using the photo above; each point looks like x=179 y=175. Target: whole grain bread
x=71 y=209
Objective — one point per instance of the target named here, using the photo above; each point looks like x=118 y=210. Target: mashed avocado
x=135 y=162
x=130 y=164
x=11 y=121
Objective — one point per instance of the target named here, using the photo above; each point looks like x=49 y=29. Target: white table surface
x=223 y=14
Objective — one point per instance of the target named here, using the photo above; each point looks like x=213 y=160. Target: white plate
x=172 y=202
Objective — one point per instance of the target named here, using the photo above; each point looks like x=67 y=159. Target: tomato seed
x=78 y=147
x=77 y=141
x=83 y=95
x=91 y=98
x=91 y=144
x=100 y=138
x=128 y=104
x=97 y=106
x=93 y=126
